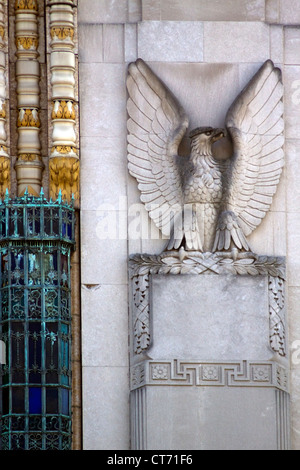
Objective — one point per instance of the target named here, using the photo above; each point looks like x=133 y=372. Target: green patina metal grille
x=36 y=238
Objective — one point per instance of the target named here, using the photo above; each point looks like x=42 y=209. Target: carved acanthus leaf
x=64 y=177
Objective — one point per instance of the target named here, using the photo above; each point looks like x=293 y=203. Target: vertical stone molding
x=4 y=157
x=29 y=165
x=64 y=157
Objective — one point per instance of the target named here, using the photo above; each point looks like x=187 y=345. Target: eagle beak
x=218 y=134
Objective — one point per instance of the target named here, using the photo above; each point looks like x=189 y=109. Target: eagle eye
x=208 y=133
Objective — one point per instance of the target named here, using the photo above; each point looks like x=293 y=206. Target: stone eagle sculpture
x=211 y=205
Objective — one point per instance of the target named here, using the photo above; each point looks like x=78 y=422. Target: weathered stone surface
x=285 y=12
x=292 y=150
x=105 y=110
x=104 y=325
x=292 y=101
x=203 y=10
x=113 y=43
x=170 y=41
x=103 y=11
x=293 y=240
x=289 y=12
x=105 y=421
x=134 y=11
x=236 y=42
x=272 y=11
x=211 y=418
x=292 y=46
x=112 y=251
x=219 y=83
x=130 y=42
x=277 y=44
x=194 y=317
x=90 y=44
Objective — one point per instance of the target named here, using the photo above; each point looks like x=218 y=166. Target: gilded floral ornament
x=29 y=157
x=63 y=110
x=26 y=5
x=4 y=175
x=64 y=177
x=2 y=109
x=27 y=43
x=28 y=118
x=64 y=149
x=62 y=33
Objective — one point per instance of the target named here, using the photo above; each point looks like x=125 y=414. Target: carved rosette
x=64 y=156
x=29 y=166
x=4 y=157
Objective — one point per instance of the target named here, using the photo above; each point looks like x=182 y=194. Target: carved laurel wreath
x=197 y=263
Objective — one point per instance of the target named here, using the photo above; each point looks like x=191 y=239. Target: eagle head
x=202 y=139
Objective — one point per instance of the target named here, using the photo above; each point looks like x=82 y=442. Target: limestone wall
x=206 y=51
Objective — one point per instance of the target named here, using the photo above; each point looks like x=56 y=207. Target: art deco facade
x=71 y=217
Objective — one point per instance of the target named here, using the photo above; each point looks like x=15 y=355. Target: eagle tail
x=229 y=233
x=186 y=232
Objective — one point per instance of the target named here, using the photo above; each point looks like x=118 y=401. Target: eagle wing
x=255 y=124
x=156 y=126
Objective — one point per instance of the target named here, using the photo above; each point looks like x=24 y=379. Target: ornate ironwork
x=36 y=239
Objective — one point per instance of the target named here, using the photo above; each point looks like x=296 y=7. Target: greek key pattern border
x=210 y=373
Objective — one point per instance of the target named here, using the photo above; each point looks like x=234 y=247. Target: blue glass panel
x=70 y=234
x=64 y=401
x=35 y=400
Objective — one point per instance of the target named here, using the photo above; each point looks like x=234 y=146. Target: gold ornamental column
x=29 y=164
x=64 y=163
x=64 y=156
x=4 y=157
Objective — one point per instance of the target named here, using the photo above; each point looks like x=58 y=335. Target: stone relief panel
x=212 y=327
x=142 y=267
x=201 y=203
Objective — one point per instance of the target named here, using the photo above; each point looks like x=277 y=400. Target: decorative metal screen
x=35 y=323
